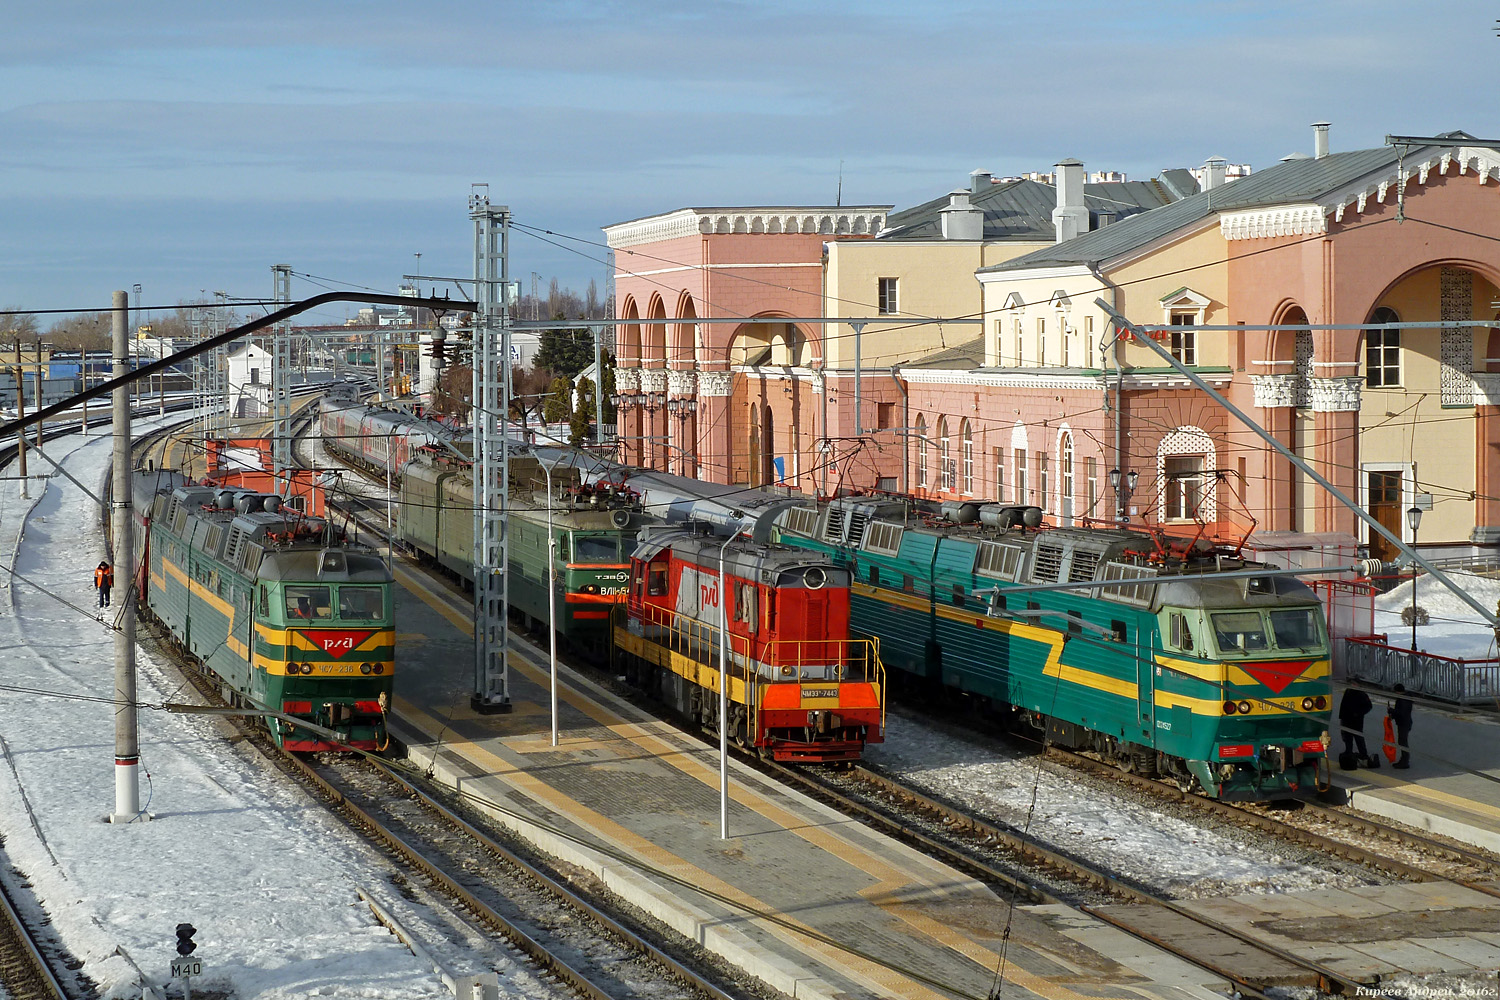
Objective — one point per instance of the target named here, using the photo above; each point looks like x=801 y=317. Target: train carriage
x=800 y=689
x=277 y=607
x=1161 y=663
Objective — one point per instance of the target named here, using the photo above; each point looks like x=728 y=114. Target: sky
x=187 y=147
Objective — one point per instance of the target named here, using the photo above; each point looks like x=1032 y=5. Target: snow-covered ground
x=271 y=884
x=1453 y=628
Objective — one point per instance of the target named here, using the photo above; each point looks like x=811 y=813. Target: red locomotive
x=800 y=689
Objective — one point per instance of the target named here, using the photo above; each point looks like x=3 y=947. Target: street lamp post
x=1123 y=486
x=1414 y=520
x=724 y=686
x=551 y=599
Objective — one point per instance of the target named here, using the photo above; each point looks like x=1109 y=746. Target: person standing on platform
x=1353 y=708
x=1400 y=713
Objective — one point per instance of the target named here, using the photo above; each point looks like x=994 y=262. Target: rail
x=1464 y=682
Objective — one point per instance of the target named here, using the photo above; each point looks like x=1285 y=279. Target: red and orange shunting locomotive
x=800 y=689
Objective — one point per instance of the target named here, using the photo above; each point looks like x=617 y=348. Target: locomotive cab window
x=361 y=603
x=656 y=580
x=1240 y=632
x=595 y=549
x=304 y=603
x=1181 y=632
x=1296 y=628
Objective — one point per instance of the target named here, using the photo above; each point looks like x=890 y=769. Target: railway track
x=517 y=905
x=25 y=970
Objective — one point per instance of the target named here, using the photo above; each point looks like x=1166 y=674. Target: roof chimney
x=1213 y=172
x=1070 y=217
x=979 y=182
x=1320 y=140
x=961 y=220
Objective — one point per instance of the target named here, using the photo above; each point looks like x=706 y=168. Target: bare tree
x=81 y=332
x=17 y=324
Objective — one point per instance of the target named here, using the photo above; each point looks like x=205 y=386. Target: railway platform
x=1453 y=785
x=809 y=901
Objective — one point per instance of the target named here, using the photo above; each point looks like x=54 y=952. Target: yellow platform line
x=1412 y=788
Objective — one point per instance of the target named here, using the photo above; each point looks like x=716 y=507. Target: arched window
x=921 y=450
x=1383 y=351
x=1066 y=500
x=945 y=461
x=966 y=432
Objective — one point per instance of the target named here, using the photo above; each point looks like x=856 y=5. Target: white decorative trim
x=1486 y=388
x=1014 y=379
x=864 y=220
x=627 y=380
x=681 y=383
x=715 y=383
x=1336 y=395
x=1283 y=220
x=818 y=382
x=653 y=379
x=1189 y=440
x=1274 y=390
x=987 y=275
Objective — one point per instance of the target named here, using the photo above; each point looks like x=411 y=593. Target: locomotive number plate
x=832 y=692
x=337 y=668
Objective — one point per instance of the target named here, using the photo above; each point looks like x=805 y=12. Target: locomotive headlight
x=307 y=668
x=1320 y=703
x=365 y=668
x=291 y=668
x=1307 y=704
x=787 y=671
x=590 y=588
x=1230 y=708
x=1244 y=707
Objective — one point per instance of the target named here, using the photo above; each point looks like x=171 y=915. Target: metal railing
x=1479 y=565
x=1464 y=682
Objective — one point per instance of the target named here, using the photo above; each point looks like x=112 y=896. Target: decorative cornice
x=715 y=383
x=1274 y=390
x=865 y=220
x=817 y=380
x=1282 y=220
x=1486 y=388
x=682 y=383
x=627 y=379
x=653 y=379
x=1335 y=395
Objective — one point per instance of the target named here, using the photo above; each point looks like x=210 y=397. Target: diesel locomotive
x=286 y=614
x=798 y=687
x=1183 y=661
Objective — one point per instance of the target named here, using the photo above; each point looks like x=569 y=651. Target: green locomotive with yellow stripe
x=1181 y=661
x=277 y=606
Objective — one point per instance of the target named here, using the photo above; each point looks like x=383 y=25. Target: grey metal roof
x=1022 y=210
x=964 y=356
x=1324 y=180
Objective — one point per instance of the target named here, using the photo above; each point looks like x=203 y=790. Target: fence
x=1465 y=682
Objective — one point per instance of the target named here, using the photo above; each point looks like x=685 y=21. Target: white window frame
x=966 y=445
x=888 y=296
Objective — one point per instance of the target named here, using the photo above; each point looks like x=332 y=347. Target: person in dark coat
x=1400 y=713
x=1353 y=708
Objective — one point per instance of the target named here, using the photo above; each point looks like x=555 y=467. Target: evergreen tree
x=558 y=407
x=578 y=427
x=563 y=351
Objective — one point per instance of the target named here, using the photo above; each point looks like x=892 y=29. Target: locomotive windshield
x=308 y=602
x=596 y=549
x=1253 y=632
x=361 y=603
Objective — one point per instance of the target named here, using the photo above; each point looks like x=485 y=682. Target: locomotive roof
x=742 y=557
x=324 y=565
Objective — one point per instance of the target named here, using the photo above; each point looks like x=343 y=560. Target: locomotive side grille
x=1141 y=594
x=1083 y=566
x=857 y=521
x=801 y=520
x=883 y=537
x=1047 y=568
x=236 y=536
x=1003 y=561
x=833 y=528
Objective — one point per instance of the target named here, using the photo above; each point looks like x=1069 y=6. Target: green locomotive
x=286 y=616
x=594 y=527
x=1180 y=662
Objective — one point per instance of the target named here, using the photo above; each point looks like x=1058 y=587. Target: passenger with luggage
x=1399 y=713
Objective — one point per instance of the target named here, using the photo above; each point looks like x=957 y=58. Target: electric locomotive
x=1163 y=663
x=799 y=688
x=286 y=614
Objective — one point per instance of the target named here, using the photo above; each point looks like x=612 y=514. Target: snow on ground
x=1454 y=629
x=269 y=881
x=1078 y=814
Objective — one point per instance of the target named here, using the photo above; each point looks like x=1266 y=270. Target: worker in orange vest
x=104 y=579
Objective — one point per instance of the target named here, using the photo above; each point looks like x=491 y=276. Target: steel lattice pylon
x=281 y=381
x=491 y=390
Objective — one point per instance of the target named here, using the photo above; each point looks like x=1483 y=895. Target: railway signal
x=185 y=943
